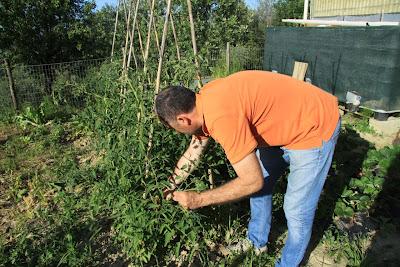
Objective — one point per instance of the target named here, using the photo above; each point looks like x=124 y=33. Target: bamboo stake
x=193 y=33
x=140 y=39
x=134 y=58
x=125 y=8
x=175 y=37
x=156 y=35
x=130 y=36
x=126 y=38
x=196 y=62
x=115 y=30
x=146 y=53
x=164 y=37
x=157 y=89
x=133 y=33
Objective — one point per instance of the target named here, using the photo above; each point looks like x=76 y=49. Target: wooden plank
x=299 y=70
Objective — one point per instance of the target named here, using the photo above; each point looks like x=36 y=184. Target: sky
x=101 y=3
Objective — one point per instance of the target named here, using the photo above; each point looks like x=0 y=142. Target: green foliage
x=76 y=204
x=62 y=31
x=122 y=124
x=148 y=228
x=38 y=116
x=362 y=191
x=228 y=22
x=342 y=247
x=35 y=32
x=359 y=123
x=287 y=9
x=67 y=89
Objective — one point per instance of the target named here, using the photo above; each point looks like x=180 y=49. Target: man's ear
x=183 y=119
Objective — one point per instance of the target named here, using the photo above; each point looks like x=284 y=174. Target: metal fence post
x=11 y=83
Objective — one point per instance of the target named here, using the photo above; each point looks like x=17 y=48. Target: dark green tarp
x=341 y=59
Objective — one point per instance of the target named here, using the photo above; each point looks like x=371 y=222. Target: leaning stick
x=130 y=35
x=127 y=19
x=140 y=39
x=125 y=8
x=146 y=52
x=115 y=30
x=126 y=39
x=196 y=62
x=156 y=35
x=175 y=37
x=164 y=37
x=193 y=33
x=133 y=33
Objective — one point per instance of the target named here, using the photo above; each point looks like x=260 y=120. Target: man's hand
x=187 y=199
x=167 y=192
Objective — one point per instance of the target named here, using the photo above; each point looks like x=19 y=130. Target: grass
x=39 y=199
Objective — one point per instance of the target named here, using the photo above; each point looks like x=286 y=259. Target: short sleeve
x=234 y=134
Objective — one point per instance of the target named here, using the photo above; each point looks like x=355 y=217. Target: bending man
x=264 y=122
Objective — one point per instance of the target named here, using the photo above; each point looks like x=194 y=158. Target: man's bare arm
x=250 y=180
x=189 y=160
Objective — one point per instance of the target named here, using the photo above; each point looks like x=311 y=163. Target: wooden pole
x=126 y=39
x=193 y=33
x=228 y=57
x=164 y=38
x=125 y=8
x=157 y=89
x=132 y=35
x=146 y=52
x=156 y=35
x=11 y=84
x=196 y=62
x=128 y=30
x=115 y=30
x=175 y=37
x=140 y=39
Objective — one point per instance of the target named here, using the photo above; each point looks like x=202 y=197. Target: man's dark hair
x=172 y=101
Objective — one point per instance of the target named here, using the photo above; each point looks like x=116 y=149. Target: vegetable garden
x=82 y=185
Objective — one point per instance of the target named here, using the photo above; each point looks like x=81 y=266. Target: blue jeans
x=308 y=171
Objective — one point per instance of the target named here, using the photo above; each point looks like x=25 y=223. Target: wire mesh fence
x=232 y=59
x=58 y=81
x=32 y=83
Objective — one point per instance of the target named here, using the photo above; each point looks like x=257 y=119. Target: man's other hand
x=187 y=199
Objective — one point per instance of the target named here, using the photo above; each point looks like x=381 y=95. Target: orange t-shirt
x=252 y=109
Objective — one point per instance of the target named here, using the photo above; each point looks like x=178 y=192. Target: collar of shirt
x=199 y=109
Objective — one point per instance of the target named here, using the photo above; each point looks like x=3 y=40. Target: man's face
x=186 y=126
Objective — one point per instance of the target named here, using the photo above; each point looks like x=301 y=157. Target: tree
x=40 y=31
x=264 y=12
x=287 y=9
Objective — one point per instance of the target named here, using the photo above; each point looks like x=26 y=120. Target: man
x=263 y=121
